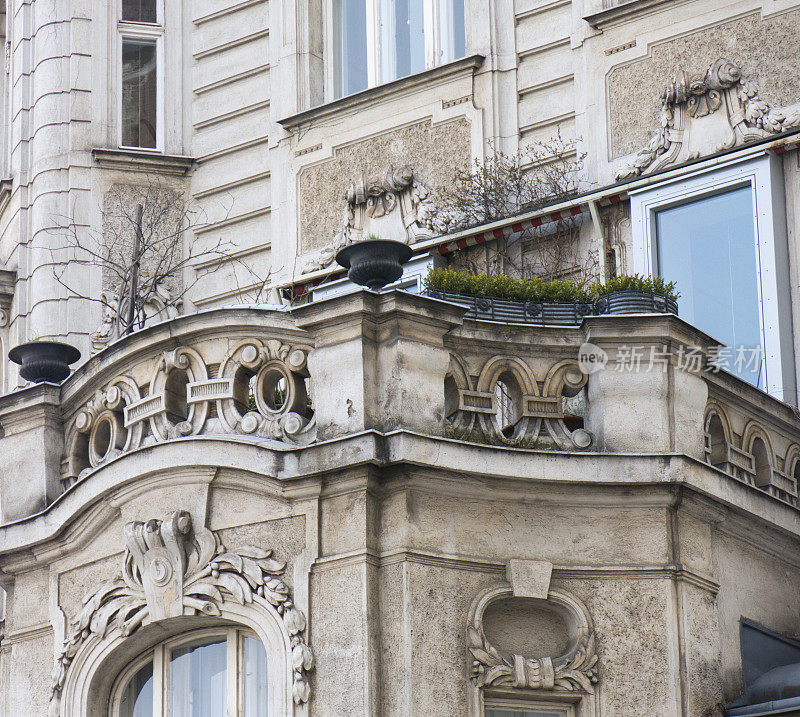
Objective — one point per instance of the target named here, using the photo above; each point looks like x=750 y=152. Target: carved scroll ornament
x=170 y=569
x=721 y=91
x=575 y=670
x=397 y=194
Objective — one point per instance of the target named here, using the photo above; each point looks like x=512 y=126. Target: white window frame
x=148 y=32
x=763 y=174
x=374 y=50
x=160 y=657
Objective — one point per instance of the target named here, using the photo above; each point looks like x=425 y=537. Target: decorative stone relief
x=538 y=415
x=259 y=389
x=574 y=670
x=172 y=568
x=706 y=113
x=393 y=205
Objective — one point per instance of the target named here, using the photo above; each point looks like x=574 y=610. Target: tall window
x=721 y=236
x=141 y=37
x=377 y=41
x=208 y=673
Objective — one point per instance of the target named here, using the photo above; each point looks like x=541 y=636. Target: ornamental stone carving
x=506 y=385
x=173 y=568
x=574 y=670
x=394 y=205
x=706 y=113
x=258 y=389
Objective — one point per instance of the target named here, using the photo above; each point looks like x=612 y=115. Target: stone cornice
x=447 y=465
x=397 y=88
x=627 y=10
x=130 y=160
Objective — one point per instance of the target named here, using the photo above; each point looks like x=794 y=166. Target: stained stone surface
x=432 y=151
x=756 y=45
x=76 y=584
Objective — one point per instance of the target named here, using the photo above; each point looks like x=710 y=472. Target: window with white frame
x=141 y=37
x=721 y=236
x=376 y=41
x=208 y=672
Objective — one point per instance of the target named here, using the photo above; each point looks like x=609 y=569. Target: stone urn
x=44 y=361
x=374 y=263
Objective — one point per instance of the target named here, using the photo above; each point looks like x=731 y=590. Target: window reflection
x=139 y=94
x=402 y=38
x=197 y=680
x=255 y=678
x=139 y=10
x=137 y=697
x=452 y=38
x=708 y=247
x=350 y=45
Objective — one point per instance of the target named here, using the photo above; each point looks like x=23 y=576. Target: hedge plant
x=504 y=287
x=636 y=282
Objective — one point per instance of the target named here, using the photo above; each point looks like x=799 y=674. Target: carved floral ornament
x=576 y=670
x=259 y=389
x=172 y=568
x=706 y=113
x=393 y=205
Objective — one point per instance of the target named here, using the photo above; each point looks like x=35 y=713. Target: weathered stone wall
x=766 y=50
x=434 y=151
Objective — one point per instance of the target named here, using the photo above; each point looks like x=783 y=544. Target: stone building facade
x=262 y=504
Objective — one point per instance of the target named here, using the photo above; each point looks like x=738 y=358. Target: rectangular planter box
x=518 y=312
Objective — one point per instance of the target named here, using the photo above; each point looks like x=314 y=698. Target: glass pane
x=402 y=38
x=137 y=697
x=451 y=30
x=255 y=678
x=510 y=712
x=197 y=680
x=139 y=94
x=350 y=46
x=139 y=10
x=708 y=248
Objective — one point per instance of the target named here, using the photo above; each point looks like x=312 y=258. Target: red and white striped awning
x=481 y=237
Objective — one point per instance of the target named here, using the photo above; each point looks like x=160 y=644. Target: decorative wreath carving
x=575 y=670
x=172 y=569
x=697 y=96
x=376 y=196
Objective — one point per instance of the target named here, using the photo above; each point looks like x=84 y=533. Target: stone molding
x=128 y=160
x=576 y=670
x=388 y=90
x=8 y=280
x=709 y=112
x=398 y=194
x=173 y=568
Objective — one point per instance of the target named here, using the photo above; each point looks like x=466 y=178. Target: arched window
x=208 y=672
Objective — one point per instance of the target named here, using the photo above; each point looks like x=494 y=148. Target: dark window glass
x=139 y=11
x=139 y=94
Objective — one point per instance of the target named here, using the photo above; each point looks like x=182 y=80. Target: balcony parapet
x=398 y=362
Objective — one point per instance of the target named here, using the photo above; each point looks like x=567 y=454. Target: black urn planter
x=374 y=263
x=42 y=361
x=635 y=302
x=545 y=313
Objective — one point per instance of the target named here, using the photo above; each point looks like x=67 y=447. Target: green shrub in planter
x=635 y=294
x=504 y=287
